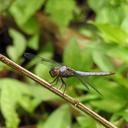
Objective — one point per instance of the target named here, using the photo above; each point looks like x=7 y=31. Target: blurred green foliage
x=107 y=50
x=63 y=118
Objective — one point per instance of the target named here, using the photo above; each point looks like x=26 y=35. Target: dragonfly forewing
x=47 y=62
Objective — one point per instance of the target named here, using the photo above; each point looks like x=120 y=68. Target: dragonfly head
x=54 y=72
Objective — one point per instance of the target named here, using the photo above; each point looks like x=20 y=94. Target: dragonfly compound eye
x=53 y=72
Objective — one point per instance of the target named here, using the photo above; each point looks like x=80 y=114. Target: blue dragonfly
x=60 y=71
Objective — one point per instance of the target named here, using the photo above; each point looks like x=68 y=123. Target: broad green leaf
x=123 y=113
x=117 y=2
x=19 y=45
x=97 y=5
x=48 y=47
x=106 y=87
x=42 y=71
x=119 y=52
x=30 y=26
x=102 y=61
x=59 y=118
x=41 y=94
x=33 y=42
x=120 y=79
x=15 y=93
x=124 y=24
x=23 y=10
x=108 y=11
x=112 y=94
x=5 y=4
x=88 y=122
x=107 y=15
x=10 y=94
x=87 y=60
x=61 y=11
x=111 y=33
x=72 y=55
x=106 y=105
x=8 y=106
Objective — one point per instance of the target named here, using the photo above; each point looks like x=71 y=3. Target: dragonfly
x=59 y=71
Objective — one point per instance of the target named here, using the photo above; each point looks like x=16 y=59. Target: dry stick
x=69 y=99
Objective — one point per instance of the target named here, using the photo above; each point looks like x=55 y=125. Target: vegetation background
x=87 y=35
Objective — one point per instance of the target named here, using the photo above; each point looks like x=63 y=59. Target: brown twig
x=69 y=99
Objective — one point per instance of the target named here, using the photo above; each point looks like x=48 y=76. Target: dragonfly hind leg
x=63 y=84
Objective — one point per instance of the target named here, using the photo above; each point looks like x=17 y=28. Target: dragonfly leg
x=63 y=84
x=56 y=79
x=60 y=86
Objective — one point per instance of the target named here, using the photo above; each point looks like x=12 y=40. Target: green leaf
x=88 y=122
x=120 y=79
x=111 y=33
x=87 y=61
x=15 y=93
x=106 y=105
x=97 y=5
x=23 y=10
x=8 y=107
x=9 y=97
x=124 y=24
x=61 y=11
x=107 y=15
x=30 y=26
x=123 y=113
x=108 y=11
x=102 y=61
x=72 y=55
x=41 y=94
x=119 y=53
x=42 y=71
x=113 y=93
x=19 y=45
x=33 y=42
x=59 y=118
x=5 y=4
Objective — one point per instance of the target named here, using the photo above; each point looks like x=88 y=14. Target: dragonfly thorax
x=65 y=71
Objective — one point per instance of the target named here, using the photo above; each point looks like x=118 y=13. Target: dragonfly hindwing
x=86 y=83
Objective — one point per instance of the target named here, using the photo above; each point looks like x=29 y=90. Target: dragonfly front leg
x=55 y=80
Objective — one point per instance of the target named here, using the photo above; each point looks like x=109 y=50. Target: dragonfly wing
x=50 y=63
x=82 y=81
x=86 y=83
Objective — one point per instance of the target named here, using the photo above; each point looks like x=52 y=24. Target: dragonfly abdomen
x=93 y=73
